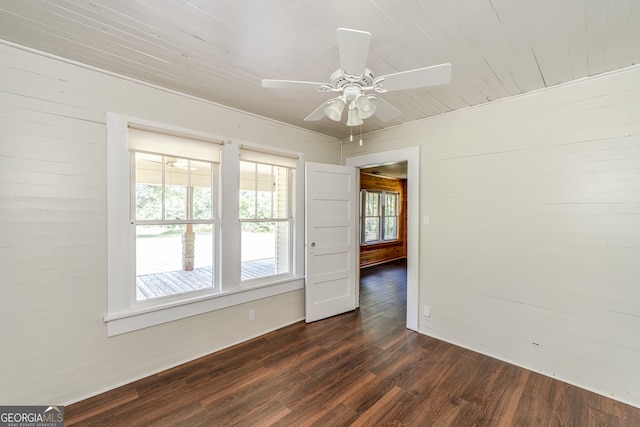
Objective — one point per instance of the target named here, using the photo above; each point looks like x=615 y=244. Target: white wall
x=53 y=237
x=533 y=252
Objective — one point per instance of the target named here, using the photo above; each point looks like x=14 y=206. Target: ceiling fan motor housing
x=340 y=79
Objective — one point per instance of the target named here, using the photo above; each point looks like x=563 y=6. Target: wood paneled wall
x=377 y=253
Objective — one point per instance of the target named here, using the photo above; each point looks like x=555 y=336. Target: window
x=168 y=254
x=174 y=224
x=372 y=216
x=266 y=213
x=390 y=217
x=266 y=219
x=379 y=216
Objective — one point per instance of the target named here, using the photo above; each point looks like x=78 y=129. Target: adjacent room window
x=390 y=217
x=371 y=218
x=379 y=216
x=174 y=225
x=266 y=215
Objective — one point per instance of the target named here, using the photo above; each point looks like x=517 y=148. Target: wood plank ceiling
x=220 y=50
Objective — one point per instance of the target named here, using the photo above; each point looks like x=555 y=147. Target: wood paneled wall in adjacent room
x=377 y=253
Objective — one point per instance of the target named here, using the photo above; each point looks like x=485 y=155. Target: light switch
x=426 y=220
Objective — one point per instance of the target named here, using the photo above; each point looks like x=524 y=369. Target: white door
x=331 y=240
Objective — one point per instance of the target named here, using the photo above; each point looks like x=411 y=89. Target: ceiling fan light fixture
x=353 y=119
x=334 y=109
x=353 y=80
x=365 y=107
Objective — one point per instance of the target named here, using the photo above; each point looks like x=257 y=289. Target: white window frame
x=385 y=203
x=258 y=157
x=123 y=314
x=382 y=204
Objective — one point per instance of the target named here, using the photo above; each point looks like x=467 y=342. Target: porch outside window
x=174 y=225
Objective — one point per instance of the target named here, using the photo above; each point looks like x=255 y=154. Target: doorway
x=411 y=156
x=383 y=213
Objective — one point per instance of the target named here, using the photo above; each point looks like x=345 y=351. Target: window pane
x=173 y=259
x=372 y=204
x=176 y=180
x=202 y=195
x=263 y=191
x=390 y=228
x=264 y=205
x=266 y=191
x=247 y=190
x=265 y=249
x=371 y=229
x=391 y=204
x=247 y=204
x=175 y=202
x=281 y=199
x=148 y=186
x=202 y=208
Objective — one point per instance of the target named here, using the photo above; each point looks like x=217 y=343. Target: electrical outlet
x=252 y=315
x=427 y=311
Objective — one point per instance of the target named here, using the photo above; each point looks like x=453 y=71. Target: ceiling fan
x=353 y=80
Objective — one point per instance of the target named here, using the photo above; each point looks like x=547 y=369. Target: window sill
x=140 y=318
x=381 y=243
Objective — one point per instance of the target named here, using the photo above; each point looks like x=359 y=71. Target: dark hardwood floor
x=362 y=368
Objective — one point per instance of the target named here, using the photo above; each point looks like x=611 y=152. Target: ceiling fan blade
x=384 y=110
x=353 y=47
x=291 y=84
x=317 y=114
x=421 y=77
